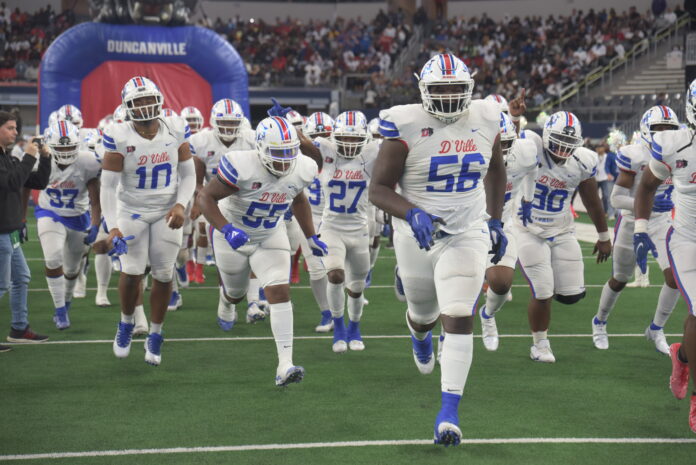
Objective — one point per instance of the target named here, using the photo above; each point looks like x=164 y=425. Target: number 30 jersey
x=66 y=194
x=150 y=167
x=446 y=163
x=555 y=184
x=344 y=182
x=262 y=198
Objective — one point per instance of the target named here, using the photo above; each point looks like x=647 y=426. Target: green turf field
x=213 y=399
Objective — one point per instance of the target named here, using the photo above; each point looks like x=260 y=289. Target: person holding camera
x=14 y=175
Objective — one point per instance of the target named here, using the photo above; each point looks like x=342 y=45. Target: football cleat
x=365 y=301
x=141 y=330
x=541 y=352
x=80 y=290
x=198 y=276
x=679 y=379
x=640 y=279
x=175 y=302
x=326 y=324
x=489 y=331
x=658 y=337
x=423 y=353
x=226 y=314
x=399 y=286
x=355 y=341
x=254 y=313
x=600 y=339
x=61 y=319
x=182 y=276
x=153 y=349
x=447 y=430
x=209 y=260
x=294 y=374
x=122 y=341
x=339 y=337
x=101 y=300
x=692 y=413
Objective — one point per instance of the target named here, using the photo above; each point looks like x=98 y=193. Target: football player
x=245 y=203
x=445 y=157
x=673 y=154
x=549 y=254
x=632 y=161
x=148 y=179
x=64 y=224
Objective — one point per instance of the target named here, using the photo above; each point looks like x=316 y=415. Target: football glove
x=319 y=248
x=422 y=225
x=662 y=203
x=642 y=244
x=235 y=237
x=525 y=213
x=499 y=241
x=120 y=245
x=287 y=216
x=277 y=109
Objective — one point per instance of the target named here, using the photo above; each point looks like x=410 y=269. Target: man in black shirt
x=15 y=175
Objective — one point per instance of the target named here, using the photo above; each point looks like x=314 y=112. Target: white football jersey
x=555 y=184
x=345 y=182
x=66 y=193
x=675 y=149
x=209 y=149
x=316 y=198
x=521 y=168
x=149 y=178
x=633 y=159
x=262 y=198
x=446 y=163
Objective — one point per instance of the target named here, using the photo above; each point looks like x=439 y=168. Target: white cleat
x=600 y=338
x=340 y=346
x=285 y=376
x=541 y=352
x=508 y=298
x=80 y=291
x=658 y=337
x=153 y=349
x=365 y=301
x=254 y=313
x=141 y=330
x=356 y=344
x=489 y=331
x=122 y=341
x=101 y=300
x=640 y=280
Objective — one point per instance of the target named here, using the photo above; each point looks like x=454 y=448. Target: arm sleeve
x=107 y=198
x=39 y=179
x=529 y=184
x=187 y=182
x=14 y=175
x=621 y=198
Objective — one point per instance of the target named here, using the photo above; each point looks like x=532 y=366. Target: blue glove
x=277 y=109
x=319 y=248
x=642 y=244
x=287 y=216
x=422 y=226
x=235 y=237
x=386 y=230
x=120 y=245
x=662 y=203
x=525 y=213
x=498 y=240
x=91 y=234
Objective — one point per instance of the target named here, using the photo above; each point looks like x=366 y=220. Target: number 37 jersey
x=446 y=163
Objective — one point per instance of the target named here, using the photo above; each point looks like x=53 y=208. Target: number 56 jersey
x=446 y=163
x=262 y=198
x=555 y=184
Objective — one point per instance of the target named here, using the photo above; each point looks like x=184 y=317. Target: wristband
x=604 y=236
x=640 y=226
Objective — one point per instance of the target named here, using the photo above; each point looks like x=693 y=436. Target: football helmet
x=295 y=118
x=319 y=124
x=562 y=134
x=63 y=140
x=373 y=126
x=52 y=118
x=508 y=133
x=691 y=104
x=70 y=113
x=194 y=118
x=226 y=119
x=616 y=139
x=104 y=122
x=657 y=115
x=168 y=113
x=438 y=75
x=350 y=134
x=138 y=88
x=120 y=115
x=92 y=138
x=277 y=145
x=500 y=100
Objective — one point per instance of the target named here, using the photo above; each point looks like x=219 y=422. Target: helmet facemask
x=226 y=127
x=65 y=151
x=145 y=106
x=195 y=123
x=563 y=145
x=446 y=101
x=349 y=145
x=279 y=161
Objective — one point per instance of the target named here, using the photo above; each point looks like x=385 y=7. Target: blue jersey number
x=314 y=192
x=465 y=181
x=63 y=198
x=269 y=220
x=551 y=200
x=163 y=169
x=343 y=188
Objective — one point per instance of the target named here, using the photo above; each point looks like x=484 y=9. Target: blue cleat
x=226 y=325
x=182 y=276
x=326 y=324
x=355 y=341
x=61 y=319
x=153 y=349
x=423 y=353
x=209 y=260
x=294 y=374
x=447 y=430
x=339 y=337
x=399 y=286
x=175 y=302
x=122 y=341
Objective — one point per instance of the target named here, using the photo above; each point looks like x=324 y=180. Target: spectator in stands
x=14 y=176
x=312 y=73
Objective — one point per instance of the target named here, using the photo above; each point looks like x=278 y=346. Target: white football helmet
x=246 y=124
x=194 y=118
x=91 y=138
x=295 y=118
x=501 y=101
x=168 y=113
x=52 y=118
x=104 y=122
x=373 y=126
x=350 y=134
x=691 y=104
x=226 y=118
x=138 y=88
x=63 y=140
x=508 y=133
x=70 y=113
x=657 y=115
x=562 y=134
x=439 y=74
x=318 y=124
x=120 y=115
x=277 y=145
